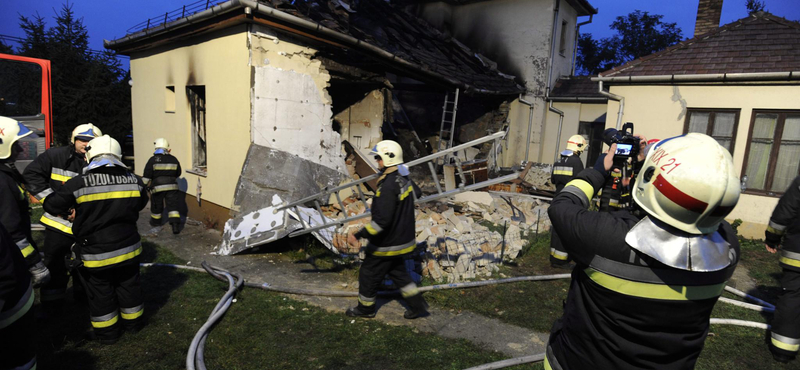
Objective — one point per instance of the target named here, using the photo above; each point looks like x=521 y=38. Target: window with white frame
x=721 y=124
x=772 y=158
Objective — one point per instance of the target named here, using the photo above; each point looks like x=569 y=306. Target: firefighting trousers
x=17 y=342
x=558 y=254
x=785 y=334
x=56 y=247
x=115 y=299
x=371 y=275
x=172 y=198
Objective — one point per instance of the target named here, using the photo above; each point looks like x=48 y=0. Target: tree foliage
x=754 y=6
x=87 y=86
x=637 y=34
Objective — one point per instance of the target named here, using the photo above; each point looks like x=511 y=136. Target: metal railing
x=174 y=15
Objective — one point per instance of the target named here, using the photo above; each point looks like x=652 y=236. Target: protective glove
x=40 y=274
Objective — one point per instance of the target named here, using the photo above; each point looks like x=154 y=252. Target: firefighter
x=783 y=232
x=46 y=174
x=15 y=214
x=391 y=235
x=16 y=313
x=161 y=175
x=106 y=200
x=646 y=280
x=567 y=167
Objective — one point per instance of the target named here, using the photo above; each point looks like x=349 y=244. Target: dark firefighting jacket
x=47 y=173
x=392 y=229
x=107 y=201
x=16 y=291
x=624 y=309
x=567 y=167
x=161 y=173
x=15 y=213
x=785 y=224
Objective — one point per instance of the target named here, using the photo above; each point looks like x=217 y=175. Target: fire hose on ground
x=194 y=358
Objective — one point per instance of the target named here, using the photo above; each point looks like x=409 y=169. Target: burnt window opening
x=197 y=106
x=562 y=46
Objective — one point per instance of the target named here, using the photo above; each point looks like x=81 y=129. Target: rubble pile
x=454 y=238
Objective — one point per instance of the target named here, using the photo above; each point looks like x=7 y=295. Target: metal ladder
x=318 y=199
x=449 y=110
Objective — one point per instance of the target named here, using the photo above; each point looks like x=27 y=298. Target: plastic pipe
x=744 y=295
x=510 y=362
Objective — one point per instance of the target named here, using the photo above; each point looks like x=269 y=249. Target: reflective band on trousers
x=167 y=187
x=105 y=320
x=111 y=258
x=20 y=309
x=409 y=290
x=155 y=216
x=174 y=214
x=655 y=291
x=366 y=301
x=790 y=258
x=560 y=170
x=105 y=192
x=785 y=343
x=559 y=254
x=57 y=223
x=132 y=313
x=61 y=175
x=395 y=250
x=165 y=167
x=373 y=228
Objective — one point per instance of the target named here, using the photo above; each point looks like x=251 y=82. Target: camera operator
x=621 y=163
x=647 y=278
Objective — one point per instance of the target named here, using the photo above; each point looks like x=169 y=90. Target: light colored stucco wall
x=660 y=112
x=361 y=123
x=291 y=107
x=574 y=113
x=219 y=61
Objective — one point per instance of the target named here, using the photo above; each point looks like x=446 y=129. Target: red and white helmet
x=688 y=182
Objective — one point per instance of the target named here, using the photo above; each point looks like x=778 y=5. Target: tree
x=637 y=34
x=754 y=6
x=88 y=86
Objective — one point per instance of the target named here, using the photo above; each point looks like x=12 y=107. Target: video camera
x=627 y=144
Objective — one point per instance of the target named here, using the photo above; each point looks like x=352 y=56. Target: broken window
x=562 y=47
x=197 y=105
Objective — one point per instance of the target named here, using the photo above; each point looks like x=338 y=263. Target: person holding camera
x=783 y=232
x=621 y=162
x=567 y=166
x=647 y=278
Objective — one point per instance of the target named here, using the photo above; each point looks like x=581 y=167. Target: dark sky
x=109 y=19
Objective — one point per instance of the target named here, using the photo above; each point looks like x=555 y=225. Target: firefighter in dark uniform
x=161 y=175
x=783 y=232
x=567 y=167
x=106 y=200
x=16 y=314
x=647 y=278
x=46 y=174
x=15 y=212
x=391 y=235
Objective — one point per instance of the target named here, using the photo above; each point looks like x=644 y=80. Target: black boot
x=419 y=308
x=357 y=311
x=176 y=229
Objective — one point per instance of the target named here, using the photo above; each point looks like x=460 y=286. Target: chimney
x=708 y=14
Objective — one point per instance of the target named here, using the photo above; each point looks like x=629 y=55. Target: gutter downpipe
x=616 y=97
x=556 y=10
x=575 y=51
x=530 y=126
x=560 y=122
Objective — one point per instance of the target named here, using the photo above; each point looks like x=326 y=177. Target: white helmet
x=103 y=145
x=10 y=131
x=390 y=152
x=688 y=182
x=577 y=143
x=161 y=143
x=86 y=132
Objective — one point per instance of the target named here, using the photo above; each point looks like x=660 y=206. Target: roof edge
x=716 y=77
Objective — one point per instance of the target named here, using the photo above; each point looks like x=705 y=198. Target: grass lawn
x=262 y=330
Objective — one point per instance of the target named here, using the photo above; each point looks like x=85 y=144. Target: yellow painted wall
x=220 y=62
x=574 y=113
x=660 y=112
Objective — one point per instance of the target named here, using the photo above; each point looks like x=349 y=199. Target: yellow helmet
x=390 y=152
x=689 y=183
x=103 y=145
x=161 y=143
x=86 y=132
x=10 y=131
x=577 y=143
